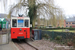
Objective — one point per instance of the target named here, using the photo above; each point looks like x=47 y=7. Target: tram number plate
x=20 y=33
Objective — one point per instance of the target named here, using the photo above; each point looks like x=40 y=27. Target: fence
x=64 y=35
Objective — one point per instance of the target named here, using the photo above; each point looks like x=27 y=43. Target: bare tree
x=46 y=8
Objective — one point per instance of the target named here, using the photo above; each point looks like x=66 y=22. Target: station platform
x=10 y=46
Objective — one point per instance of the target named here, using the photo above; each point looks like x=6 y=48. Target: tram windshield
x=20 y=23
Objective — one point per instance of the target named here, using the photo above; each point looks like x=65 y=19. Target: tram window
x=20 y=23
x=14 y=22
x=26 y=23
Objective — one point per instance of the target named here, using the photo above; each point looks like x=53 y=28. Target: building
x=4 y=21
x=70 y=22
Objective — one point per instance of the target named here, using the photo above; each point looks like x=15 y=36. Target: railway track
x=32 y=46
x=22 y=45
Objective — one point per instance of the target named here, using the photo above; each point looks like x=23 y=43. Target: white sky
x=67 y=5
x=9 y=2
x=1 y=8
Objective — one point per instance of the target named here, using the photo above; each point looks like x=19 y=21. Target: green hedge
x=56 y=28
x=53 y=28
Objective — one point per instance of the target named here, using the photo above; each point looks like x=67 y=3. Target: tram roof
x=17 y=17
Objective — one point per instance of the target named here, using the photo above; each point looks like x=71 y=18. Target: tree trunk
x=33 y=23
x=32 y=12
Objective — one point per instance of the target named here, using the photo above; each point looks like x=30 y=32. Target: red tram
x=20 y=27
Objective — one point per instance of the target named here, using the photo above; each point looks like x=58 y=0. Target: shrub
x=70 y=26
x=58 y=38
x=46 y=36
x=62 y=27
x=58 y=27
x=44 y=27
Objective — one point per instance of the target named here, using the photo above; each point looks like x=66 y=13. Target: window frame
x=66 y=22
x=25 y=23
x=12 y=23
x=73 y=23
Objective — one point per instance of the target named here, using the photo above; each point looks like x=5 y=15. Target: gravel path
x=47 y=45
x=41 y=45
x=44 y=45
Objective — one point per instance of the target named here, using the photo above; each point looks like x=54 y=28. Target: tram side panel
x=15 y=33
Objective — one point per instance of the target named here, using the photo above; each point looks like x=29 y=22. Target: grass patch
x=62 y=30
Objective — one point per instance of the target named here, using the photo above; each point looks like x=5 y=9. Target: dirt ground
x=48 y=45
